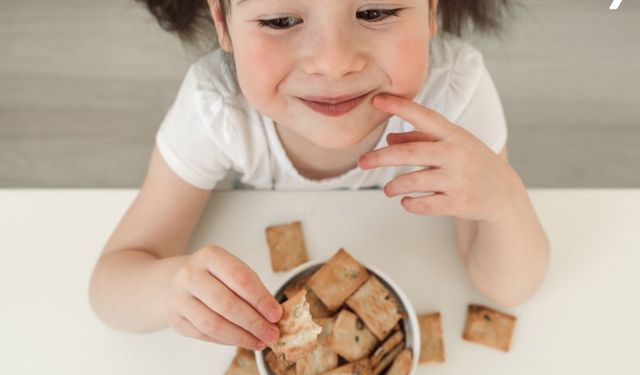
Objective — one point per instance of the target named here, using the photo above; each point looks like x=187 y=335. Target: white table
x=585 y=319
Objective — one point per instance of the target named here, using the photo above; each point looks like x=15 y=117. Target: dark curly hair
x=191 y=19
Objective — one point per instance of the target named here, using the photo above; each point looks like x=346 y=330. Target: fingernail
x=275 y=312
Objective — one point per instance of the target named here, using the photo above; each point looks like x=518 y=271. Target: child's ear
x=219 y=21
x=433 y=17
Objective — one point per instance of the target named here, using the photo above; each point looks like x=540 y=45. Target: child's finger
x=217 y=328
x=424 y=119
x=423 y=154
x=236 y=275
x=413 y=136
x=437 y=204
x=217 y=296
x=426 y=180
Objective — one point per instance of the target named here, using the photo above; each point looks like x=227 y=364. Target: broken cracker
x=401 y=364
x=322 y=358
x=376 y=306
x=286 y=246
x=244 y=363
x=489 y=327
x=351 y=338
x=337 y=279
x=431 y=344
x=298 y=331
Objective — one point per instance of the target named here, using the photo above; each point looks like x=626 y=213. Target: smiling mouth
x=334 y=108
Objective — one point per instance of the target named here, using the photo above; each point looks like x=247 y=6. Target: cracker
x=351 y=338
x=362 y=367
x=402 y=364
x=279 y=366
x=286 y=245
x=388 y=359
x=489 y=327
x=295 y=286
x=388 y=345
x=322 y=358
x=376 y=306
x=298 y=332
x=431 y=345
x=337 y=279
x=244 y=363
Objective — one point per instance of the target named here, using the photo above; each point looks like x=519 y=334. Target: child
x=308 y=94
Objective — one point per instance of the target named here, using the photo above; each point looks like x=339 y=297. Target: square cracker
x=279 y=366
x=402 y=364
x=489 y=327
x=244 y=363
x=431 y=345
x=362 y=367
x=376 y=306
x=337 y=279
x=286 y=246
x=351 y=338
x=298 y=332
x=322 y=358
x=388 y=359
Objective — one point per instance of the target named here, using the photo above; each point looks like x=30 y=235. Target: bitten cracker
x=286 y=245
x=337 y=279
x=376 y=306
x=351 y=339
x=489 y=327
x=431 y=345
x=402 y=364
x=298 y=332
x=244 y=363
x=362 y=367
x=322 y=358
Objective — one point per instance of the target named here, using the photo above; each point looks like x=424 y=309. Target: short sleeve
x=185 y=140
x=483 y=114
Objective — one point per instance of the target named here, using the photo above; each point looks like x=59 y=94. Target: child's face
x=328 y=48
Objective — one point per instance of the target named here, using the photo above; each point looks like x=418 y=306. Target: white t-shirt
x=211 y=129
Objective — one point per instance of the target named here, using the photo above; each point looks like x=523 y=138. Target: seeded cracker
x=402 y=364
x=286 y=246
x=337 y=279
x=431 y=345
x=298 y=332
x=376 y=306
x=244 y=363
x=388 y=359
x=279 y=366
x=351 y=339
x=489 y=327
x=386 y=347
x=362 y=367
x=322 y=358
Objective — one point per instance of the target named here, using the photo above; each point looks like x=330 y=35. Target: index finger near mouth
x=421 y=117
x=243 y=281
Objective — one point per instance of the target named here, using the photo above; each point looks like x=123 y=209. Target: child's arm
x=506 y=260
x=143 y=281
x=502 y=243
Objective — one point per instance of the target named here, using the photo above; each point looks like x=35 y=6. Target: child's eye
x=373 y=15
x=278 y=23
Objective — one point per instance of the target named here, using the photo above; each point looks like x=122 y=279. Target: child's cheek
x=409 y=65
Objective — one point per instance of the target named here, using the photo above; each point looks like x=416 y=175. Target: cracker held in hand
x=337 y=279
x=431 y=345
x=489 y=327
x=376 y=306
x=244 y=363
x=286 y=245
x=298 y=332
x=279 y=366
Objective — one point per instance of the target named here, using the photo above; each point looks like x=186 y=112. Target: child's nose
x=334 y=55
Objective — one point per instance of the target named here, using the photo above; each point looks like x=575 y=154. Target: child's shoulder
x=214 y=72
x=452 y=52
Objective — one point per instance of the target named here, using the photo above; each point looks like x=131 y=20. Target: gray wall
x=84 y=85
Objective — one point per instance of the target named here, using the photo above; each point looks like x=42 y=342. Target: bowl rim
x=404 y=300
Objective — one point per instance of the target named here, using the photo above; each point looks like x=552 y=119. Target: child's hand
x=469 y=180
x=216 y=297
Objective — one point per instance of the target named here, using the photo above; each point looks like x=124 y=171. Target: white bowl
x=410 y=324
